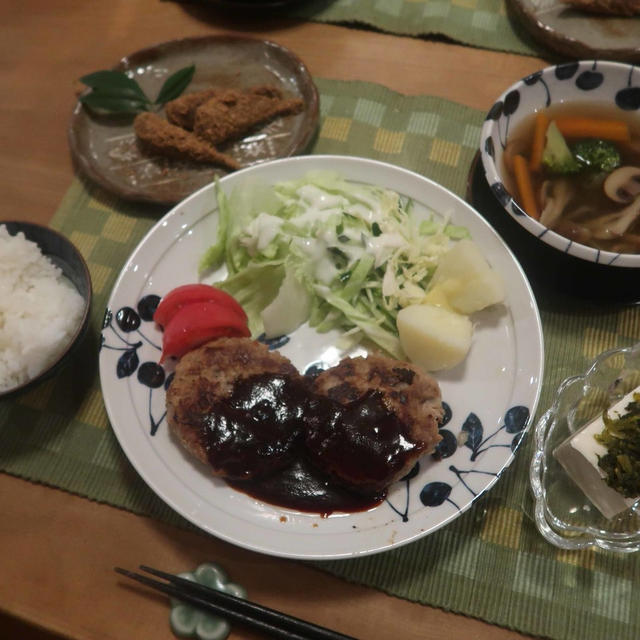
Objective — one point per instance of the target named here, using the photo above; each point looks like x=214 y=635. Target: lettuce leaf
x=336 y=254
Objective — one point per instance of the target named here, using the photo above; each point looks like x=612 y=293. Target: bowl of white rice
x=45 y=297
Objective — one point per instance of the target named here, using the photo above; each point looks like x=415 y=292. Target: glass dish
x=563 y=514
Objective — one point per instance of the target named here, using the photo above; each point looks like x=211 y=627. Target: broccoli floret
x=557 y=157
x=597 y=155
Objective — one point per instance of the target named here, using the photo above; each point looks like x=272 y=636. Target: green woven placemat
x=491 y=562
x=479 y=23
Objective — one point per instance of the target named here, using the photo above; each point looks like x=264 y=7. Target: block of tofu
x=579 y=453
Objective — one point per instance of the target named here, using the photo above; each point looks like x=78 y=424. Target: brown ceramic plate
x=577 y=34
x=105 y=148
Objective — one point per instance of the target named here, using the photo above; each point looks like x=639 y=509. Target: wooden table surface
x=57 y=550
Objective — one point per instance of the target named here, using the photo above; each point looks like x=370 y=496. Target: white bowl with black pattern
x=587 y=81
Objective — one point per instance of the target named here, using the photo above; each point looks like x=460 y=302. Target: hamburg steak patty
x=238 y=407
x=372 y=419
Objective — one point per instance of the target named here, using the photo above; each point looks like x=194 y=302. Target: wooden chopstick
x=269 y=621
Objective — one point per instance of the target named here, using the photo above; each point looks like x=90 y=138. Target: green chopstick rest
x=188 y=621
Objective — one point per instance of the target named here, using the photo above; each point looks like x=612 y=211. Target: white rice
x=40 y=310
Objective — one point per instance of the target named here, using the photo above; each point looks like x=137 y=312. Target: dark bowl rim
x=83 y=324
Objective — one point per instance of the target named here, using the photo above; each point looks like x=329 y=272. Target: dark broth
x=582 y=219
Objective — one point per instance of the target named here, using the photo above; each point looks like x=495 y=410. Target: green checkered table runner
x=480 y=23
x=489 y=563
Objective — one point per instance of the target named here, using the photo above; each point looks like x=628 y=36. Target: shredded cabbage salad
x=338 y=254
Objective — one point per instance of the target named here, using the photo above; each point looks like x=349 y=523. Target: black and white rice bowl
x=65 y=255
x=586 y=81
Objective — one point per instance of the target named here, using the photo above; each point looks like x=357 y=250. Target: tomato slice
x=187 y=294
x=197 y=323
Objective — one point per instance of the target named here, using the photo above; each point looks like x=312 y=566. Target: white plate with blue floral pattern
x=489 y=399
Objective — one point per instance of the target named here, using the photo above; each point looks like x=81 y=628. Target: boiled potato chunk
x=466 y=279
x=437 y=296
x=433 y=337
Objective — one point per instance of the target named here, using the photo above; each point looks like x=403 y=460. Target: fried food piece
x=161 y=137
x=228 y=406
x=182 y=110
x=607 y=7
x=246 y=412
x=233 y=113
x=391 y=415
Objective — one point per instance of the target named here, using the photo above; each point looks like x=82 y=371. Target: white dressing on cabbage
x=353 y=248
x=261 y=232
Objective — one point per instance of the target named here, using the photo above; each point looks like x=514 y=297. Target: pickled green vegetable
x=621 y=437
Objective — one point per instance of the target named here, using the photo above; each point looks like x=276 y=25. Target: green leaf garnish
x=113 y=103
x=175 y=84
x=115 y=92
x=114 y=82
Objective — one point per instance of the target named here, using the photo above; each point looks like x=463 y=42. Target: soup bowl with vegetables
x=561 y=152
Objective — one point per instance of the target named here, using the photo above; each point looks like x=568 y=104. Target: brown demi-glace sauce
x=273 y=419
x=302 y=487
